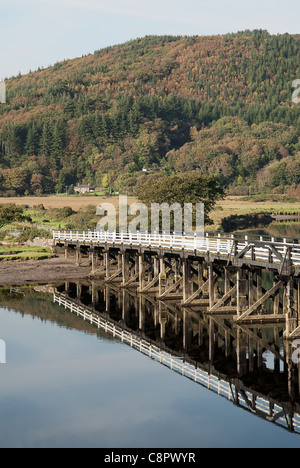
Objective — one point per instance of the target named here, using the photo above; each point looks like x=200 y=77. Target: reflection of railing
x=234 y=391
x=264 y=251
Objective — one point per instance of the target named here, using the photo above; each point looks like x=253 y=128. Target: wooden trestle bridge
x=250 y=280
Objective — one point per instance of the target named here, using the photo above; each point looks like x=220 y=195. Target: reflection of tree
x=291 y=229
x=35 y=304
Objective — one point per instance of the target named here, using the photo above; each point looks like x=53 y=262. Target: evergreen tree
x=58 y=141
x=32 y=140
x=46 y=140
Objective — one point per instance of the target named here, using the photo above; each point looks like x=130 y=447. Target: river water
x=67 y=384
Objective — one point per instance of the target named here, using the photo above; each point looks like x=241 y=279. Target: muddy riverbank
x=42 y=271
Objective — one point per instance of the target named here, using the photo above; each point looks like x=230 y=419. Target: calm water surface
x=65 y=385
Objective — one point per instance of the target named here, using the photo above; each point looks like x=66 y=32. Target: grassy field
x=8 y=253
x=229 y=206
x=61 y=201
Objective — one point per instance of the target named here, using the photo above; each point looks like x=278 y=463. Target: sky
x=39 y=33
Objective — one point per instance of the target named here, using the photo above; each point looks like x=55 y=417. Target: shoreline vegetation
x=18 y=253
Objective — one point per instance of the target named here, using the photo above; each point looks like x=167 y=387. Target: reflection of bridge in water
x=248 y=364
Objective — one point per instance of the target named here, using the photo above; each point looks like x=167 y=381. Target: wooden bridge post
x=277 y=345
x=200 y=274
x=259 y=355
x=226 y=280
x=141 y=270
x=94 y=261
x=241 y=353
x=107 y=263
x=90 y=252
x=187 y=279
x=156 y=266
x=250 y=287
x=211 y=289
x=162 y=321
x=107 y=299
x=91 y=257
x=187 y=330
x=142 y=312
x=95 y=293
x=259 y=284
x=211 y=333
x=162 y=275
x=238 y=304
x=290 y=309
x=78 y=254
x=176 y=269
x=136 y=264
x=125 y=305
x=241 y=292
x=125 y=267
x=119 y=261
x=66 y=250
x=276 y=303
x=78 y=290
x=251 y=353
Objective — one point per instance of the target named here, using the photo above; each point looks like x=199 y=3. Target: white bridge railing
x=268 y=251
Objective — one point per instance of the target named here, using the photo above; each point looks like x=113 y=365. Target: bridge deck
x=283 y=255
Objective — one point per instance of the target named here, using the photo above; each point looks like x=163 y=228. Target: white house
x=82 y=189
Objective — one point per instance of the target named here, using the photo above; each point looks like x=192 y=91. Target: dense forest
x=221 y=105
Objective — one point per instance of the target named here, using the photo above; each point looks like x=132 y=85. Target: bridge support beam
x=211 y=289
x=162 y=275
x=77 y=254
x=187 y=280
x=291 y=308
x=78 y=290
x=141 y=271
x=241 y=291
x=125 y=267
x=66 y=247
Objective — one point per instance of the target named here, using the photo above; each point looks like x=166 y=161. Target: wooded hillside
x=220 y=104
